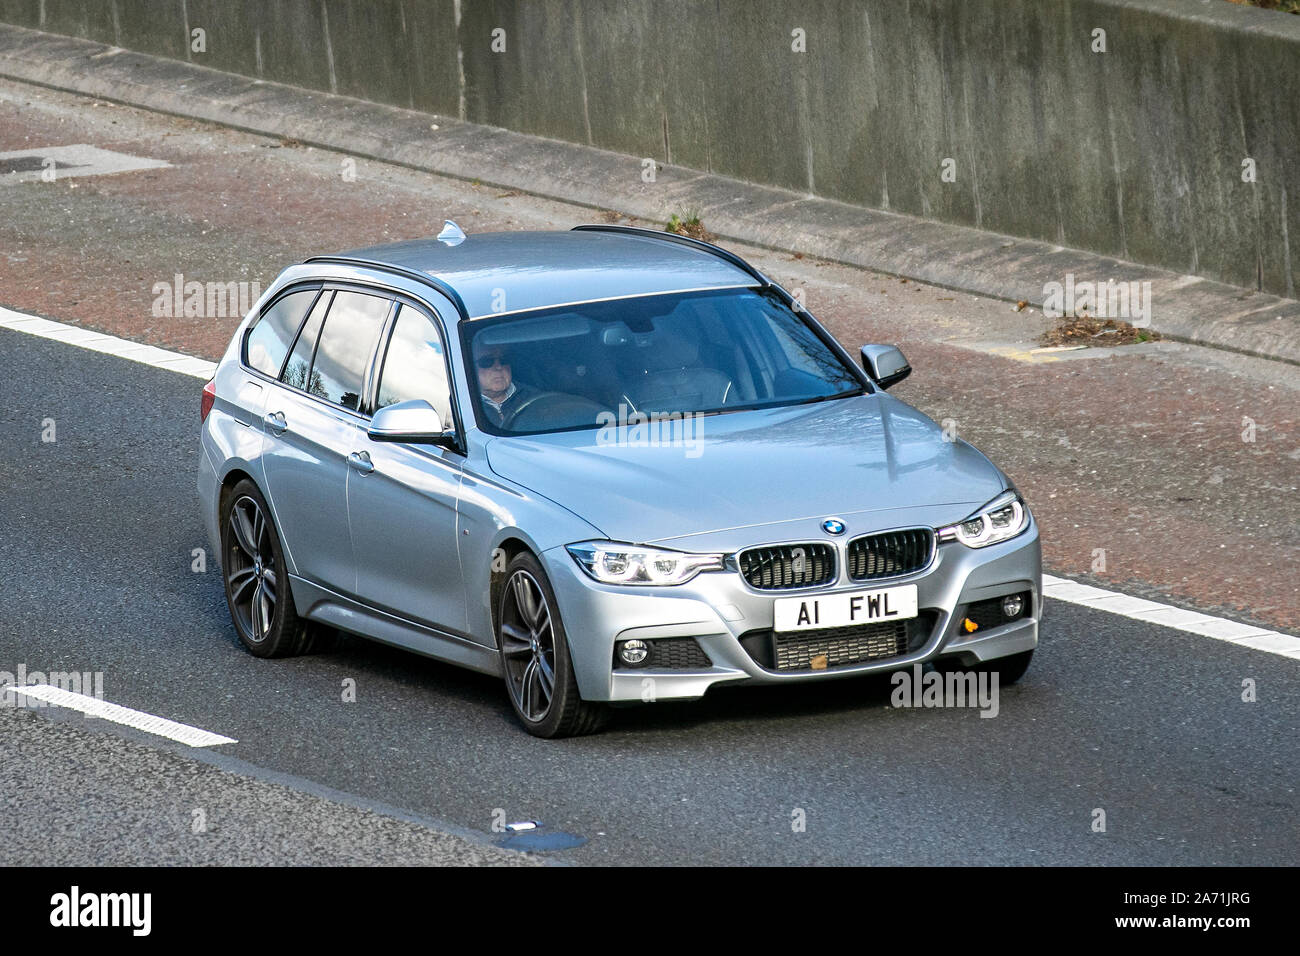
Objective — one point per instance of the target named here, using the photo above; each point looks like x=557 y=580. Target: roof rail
x=700 y=244
x=424 y=277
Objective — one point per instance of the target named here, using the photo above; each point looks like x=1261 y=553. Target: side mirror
x=413 y=421
x=885 y=364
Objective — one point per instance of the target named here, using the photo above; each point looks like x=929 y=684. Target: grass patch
x=689 y=225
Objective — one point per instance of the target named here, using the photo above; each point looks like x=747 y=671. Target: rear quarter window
x=269 y=339
x=297 y=373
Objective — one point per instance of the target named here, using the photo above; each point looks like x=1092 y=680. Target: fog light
x=634 y=652
x=1012 y=605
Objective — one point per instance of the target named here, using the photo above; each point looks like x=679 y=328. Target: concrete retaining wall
x=1136 y=152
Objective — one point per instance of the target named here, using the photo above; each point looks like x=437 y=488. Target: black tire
x=269 y=626
x=1009 y=669
x=534 y=644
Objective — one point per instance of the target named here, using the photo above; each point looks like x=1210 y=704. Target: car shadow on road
x=726 y=705
x=722 y=705
x=482 y=697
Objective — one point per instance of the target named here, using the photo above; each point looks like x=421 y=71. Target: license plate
x=844 y=610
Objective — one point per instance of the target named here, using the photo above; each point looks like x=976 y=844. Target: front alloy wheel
x=528 y=646
x=535 y=656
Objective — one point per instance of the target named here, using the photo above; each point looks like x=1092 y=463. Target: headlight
x=1000 y=520
x=612 y=563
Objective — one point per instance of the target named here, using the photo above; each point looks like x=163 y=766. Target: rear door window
x=346 y=346
x=269 y=339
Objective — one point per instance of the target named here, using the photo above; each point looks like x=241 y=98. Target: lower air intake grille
x=838 y=646
x=679 y=653
x=788 y=566
x=841 y=645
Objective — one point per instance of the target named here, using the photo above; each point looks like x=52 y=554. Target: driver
x=501 y=395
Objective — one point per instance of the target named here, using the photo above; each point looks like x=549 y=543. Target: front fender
x=493 y=514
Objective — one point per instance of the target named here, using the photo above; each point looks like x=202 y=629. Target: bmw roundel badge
x=833 y=526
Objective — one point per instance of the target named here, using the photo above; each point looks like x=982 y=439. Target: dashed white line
x=94 y=707
x=110 y=344
x=1166 y=615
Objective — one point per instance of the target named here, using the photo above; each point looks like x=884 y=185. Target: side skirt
x=321 y=604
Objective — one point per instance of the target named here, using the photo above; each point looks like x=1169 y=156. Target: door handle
x=275 y=421
x=360 y=460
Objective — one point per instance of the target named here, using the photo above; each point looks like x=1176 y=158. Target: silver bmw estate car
x=609 y=465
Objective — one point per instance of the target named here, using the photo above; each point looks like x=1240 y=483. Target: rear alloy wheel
x=257 y=586
x=535 y=656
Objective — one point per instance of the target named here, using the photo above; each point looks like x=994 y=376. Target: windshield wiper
x=781 y=404
x=858 y=390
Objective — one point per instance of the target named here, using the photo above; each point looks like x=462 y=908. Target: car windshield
x=583 y=366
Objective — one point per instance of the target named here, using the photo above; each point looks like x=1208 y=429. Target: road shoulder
x=159 y=806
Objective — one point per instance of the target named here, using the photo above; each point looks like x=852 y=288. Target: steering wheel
x=553 y=402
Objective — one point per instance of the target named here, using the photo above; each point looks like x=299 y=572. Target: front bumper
x=718 y=608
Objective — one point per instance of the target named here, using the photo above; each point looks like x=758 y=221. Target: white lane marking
x=94 y=707
x=111 y=344
x=1151 y=612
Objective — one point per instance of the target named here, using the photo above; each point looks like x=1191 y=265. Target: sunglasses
x=488 y=361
